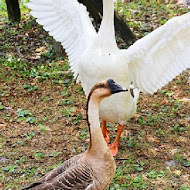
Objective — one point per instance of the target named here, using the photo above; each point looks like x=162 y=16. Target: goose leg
x=114 y=146
x=105 y=131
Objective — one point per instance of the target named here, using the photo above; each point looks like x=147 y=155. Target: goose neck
x=107 y=30
x=97 y=142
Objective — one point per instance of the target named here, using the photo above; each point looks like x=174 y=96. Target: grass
x=42 y=110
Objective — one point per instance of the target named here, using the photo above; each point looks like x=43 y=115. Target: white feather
x=161 y=55
x=68 y=22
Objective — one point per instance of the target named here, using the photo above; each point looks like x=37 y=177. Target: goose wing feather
x=73 y=174
x=68 y=22
x=160 y=56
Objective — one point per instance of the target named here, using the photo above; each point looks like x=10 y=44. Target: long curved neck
x=106 y=32
x=97 y=141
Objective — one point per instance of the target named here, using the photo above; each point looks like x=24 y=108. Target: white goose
x=94 y=169
x=149 y=63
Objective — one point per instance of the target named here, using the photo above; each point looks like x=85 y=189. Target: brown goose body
x=78 y=173
x=95 y=168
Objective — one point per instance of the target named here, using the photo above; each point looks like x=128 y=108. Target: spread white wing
x=68 y=22
x=160 y=56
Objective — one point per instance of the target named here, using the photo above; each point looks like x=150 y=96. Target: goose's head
x=106 y=88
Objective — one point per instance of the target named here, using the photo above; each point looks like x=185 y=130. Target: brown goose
x=95 y=168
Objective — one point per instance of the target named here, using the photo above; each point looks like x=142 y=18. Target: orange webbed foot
x=114 y=149
x=105 y=132
x=114 y=146
x=106 y=136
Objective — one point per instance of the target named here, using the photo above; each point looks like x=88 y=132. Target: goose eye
x=102 y=85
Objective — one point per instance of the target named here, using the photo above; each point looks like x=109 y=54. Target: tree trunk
x=95 y=9
x=57 y=47
x=13 y=10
